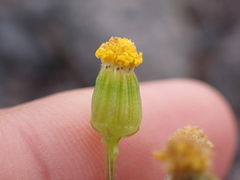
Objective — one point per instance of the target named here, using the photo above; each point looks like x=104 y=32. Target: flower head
x=116 y=103
x=188 y=151
x=119 y=51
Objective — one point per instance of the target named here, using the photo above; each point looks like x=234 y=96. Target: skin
x=51 y=138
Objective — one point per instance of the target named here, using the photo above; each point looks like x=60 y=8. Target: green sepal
x=116 y=103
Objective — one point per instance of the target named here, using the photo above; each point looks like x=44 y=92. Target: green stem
x=112 y=153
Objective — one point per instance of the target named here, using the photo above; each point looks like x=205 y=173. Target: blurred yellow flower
x=194 y=133
x=187 y=155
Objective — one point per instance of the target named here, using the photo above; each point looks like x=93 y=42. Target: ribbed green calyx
x=116 y=103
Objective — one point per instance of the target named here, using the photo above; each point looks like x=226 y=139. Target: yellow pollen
x=119 y=51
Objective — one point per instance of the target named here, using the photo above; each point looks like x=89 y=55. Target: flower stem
x=112 y=153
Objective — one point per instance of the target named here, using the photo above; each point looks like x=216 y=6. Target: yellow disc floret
x=196 y=134
x=119 y=51
x=188 y=150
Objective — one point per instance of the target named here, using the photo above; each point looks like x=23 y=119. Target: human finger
x=51 y=138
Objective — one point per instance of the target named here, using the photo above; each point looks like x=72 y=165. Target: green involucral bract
x=116 y=103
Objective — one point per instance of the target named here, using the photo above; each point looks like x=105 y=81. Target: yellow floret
x=188 y=150
x=119 y=51
x=185 y=155
x=196 y=134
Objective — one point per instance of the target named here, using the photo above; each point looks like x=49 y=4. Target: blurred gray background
x=47 y=46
